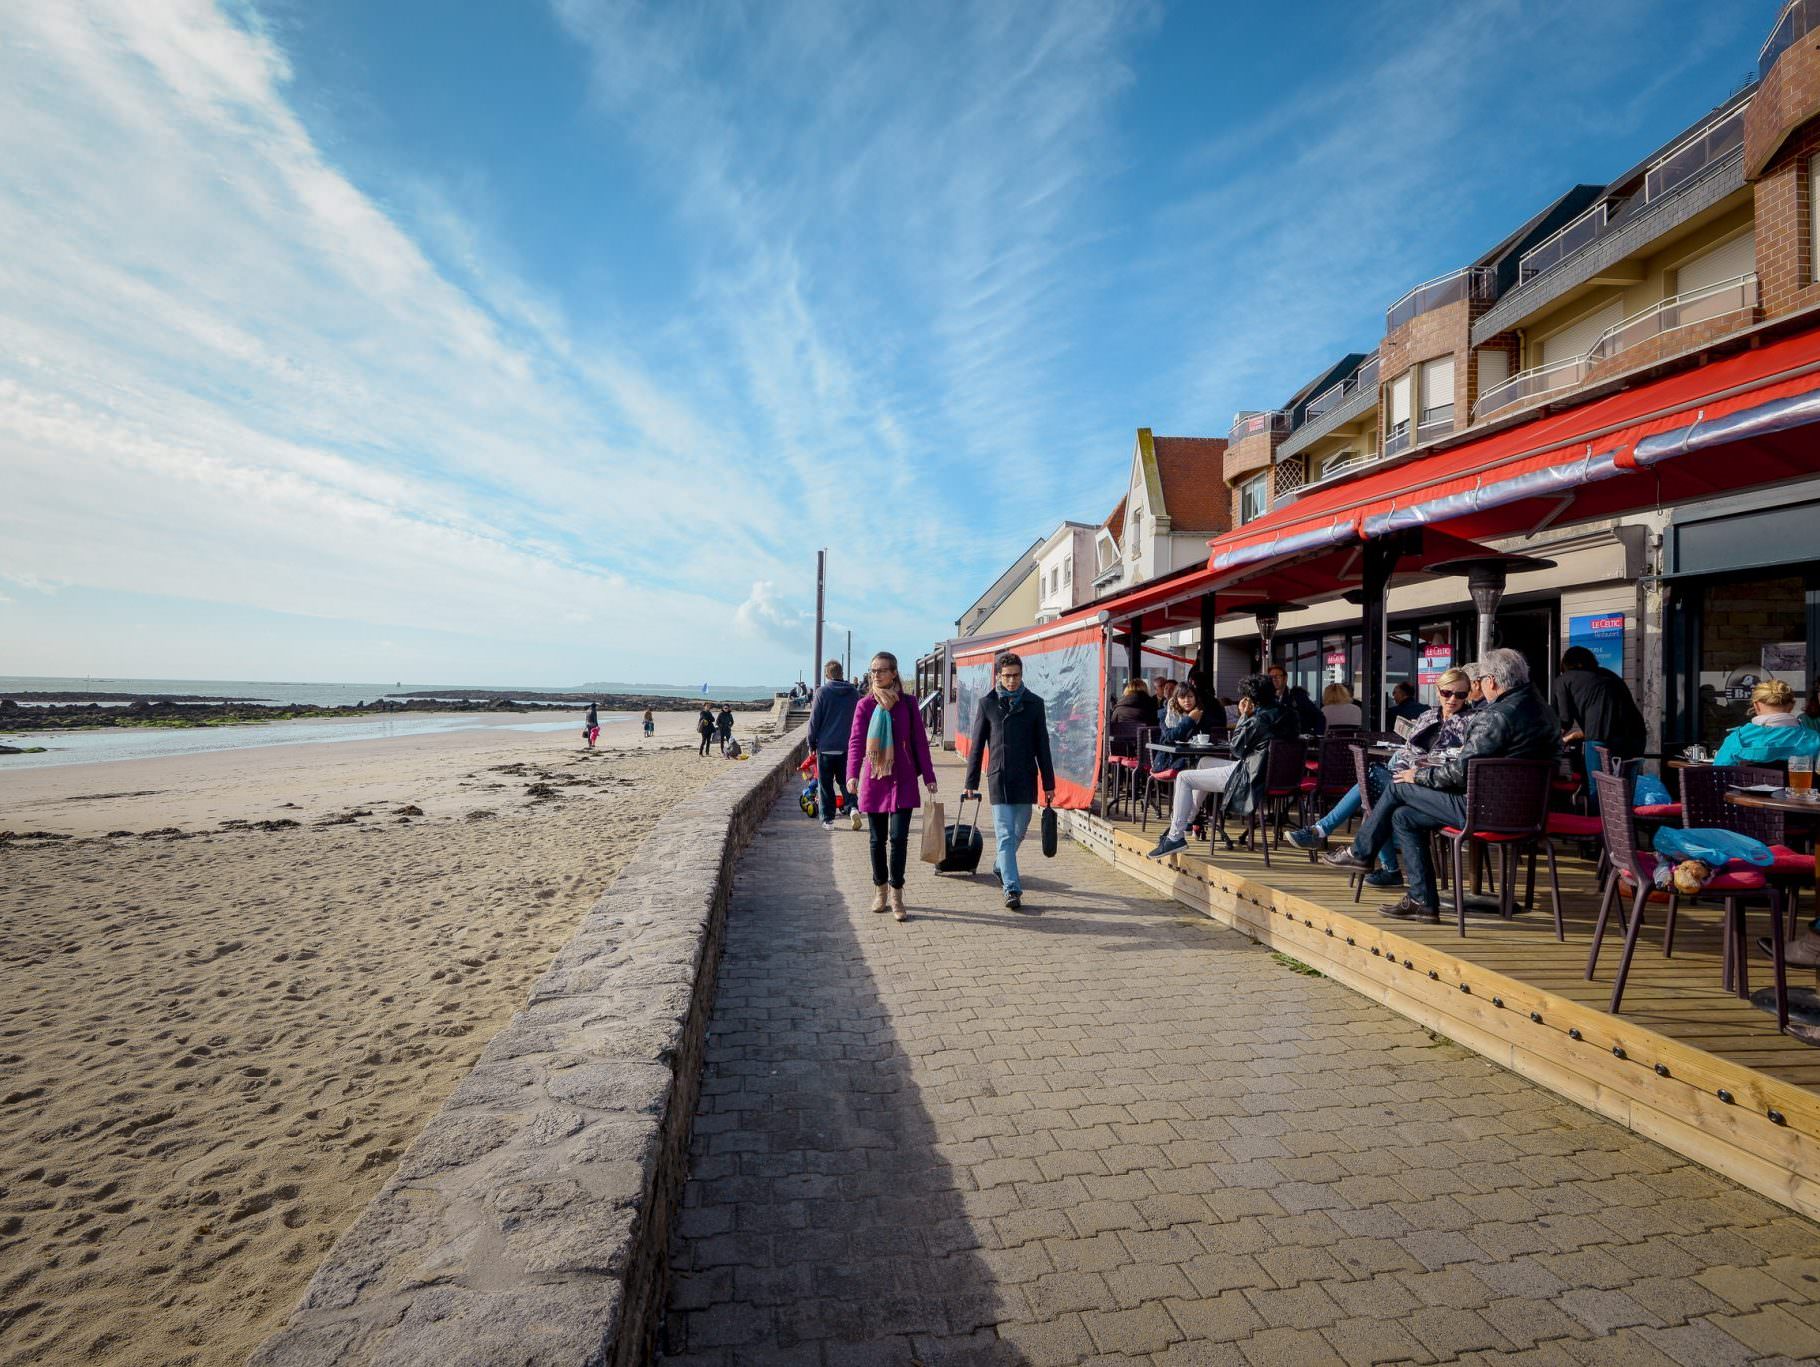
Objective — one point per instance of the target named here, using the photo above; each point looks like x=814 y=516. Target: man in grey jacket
x=1515 y=724
x=830 y=719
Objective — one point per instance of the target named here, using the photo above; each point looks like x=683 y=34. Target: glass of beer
x=1801 y=776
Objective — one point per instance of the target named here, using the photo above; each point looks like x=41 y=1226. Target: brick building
x=1705 y=249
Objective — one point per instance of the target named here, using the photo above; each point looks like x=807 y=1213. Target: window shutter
x=1727 y=262
x=1437 y=385
x=1399 y=400
x=1573 y=342
x=1494 y=367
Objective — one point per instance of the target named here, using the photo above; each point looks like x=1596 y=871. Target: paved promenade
x=1114 y=1132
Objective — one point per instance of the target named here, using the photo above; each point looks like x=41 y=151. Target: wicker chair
x=1703 y=790
x=1333 y=775
x=1634 y=868
x=1158 y=784
x=1506 y=809
x=1125 y=753
x=1285 y=765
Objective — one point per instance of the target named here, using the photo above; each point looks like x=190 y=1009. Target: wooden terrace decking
x=1510 y=990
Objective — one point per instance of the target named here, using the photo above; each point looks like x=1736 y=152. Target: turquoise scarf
x=879 y=746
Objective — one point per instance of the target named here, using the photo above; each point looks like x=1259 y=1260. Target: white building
x=1065 y=569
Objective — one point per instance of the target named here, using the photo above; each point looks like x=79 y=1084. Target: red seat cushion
x=1791 y=863
x=1124 y=761
x=1574 y=827
x=1488 y=839
x=1164 y=775
x=1566 y=785
x=1309 y=785
x=1659 y=811
x=1735 y=877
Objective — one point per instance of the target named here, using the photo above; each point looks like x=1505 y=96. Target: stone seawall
x=530 y=1221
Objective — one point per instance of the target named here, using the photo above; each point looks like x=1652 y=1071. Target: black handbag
x=1049 y=832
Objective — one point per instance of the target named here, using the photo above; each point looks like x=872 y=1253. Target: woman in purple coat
x=888 y=750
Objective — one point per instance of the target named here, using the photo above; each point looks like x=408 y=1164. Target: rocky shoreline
x=165 y=712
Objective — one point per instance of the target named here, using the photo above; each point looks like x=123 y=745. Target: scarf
x=880 y=744
x=1012 y=700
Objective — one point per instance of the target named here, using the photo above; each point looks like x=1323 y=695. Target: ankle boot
x=879 y=897
x=897 y=904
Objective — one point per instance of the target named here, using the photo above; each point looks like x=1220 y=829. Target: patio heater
x=1267 y=615
x=1486 y=576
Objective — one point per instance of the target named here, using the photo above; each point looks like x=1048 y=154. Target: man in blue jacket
x=830 y=719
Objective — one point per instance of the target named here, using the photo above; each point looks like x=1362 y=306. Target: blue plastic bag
x=1716 y=848
x=1650 y=791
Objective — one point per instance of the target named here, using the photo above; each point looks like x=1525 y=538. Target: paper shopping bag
x=935 y=843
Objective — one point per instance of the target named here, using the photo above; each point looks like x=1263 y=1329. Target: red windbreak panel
x=1063 y=670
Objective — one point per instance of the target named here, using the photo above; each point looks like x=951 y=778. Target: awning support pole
x=1381 y=556
x=1206 y=660
x=1134 y=650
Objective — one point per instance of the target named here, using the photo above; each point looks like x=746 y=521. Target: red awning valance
x=1720 y=428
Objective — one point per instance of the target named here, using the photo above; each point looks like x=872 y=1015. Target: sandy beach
x=216 y=1039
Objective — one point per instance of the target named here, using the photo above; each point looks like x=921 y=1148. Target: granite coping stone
x=529 y=1222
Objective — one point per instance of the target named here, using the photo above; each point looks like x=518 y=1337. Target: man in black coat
x=1514 y=724
x=1595 y=704
x=1011 y=733
x=830 y=719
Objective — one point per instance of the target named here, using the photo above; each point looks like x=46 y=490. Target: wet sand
x=214 y=1044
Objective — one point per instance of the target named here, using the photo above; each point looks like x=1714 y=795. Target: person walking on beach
x=887 y=749
x=650 y=723
x=830 y=725
x=1012 y=728
x=724 y=723
x=705 y=724
x=591 y=727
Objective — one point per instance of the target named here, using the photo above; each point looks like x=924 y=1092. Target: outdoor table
x=1187 y=750
x=1769 y=802
x=1803 y=1002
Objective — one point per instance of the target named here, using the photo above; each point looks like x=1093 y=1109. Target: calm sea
x=116 y=743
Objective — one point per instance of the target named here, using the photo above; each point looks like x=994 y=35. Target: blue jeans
x=1407 y=814
x=1348 y=807
x=1009 y=822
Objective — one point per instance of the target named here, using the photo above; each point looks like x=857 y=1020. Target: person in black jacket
x=1011 y=734
x=1309 y=719
x=1262 y=719
x=705 y=724
x=830 y=721
x=1514 y=724
x=1595 y=705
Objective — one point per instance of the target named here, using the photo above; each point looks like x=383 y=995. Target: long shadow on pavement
x=821 y=1221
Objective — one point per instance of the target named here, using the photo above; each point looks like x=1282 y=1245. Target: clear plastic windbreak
x=1063 y=670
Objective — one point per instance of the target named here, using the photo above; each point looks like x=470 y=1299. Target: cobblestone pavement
x=1115 y=1132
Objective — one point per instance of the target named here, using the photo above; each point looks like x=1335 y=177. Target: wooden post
x=1206 y=661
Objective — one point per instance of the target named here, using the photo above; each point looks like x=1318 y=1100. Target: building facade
x=1706 y=248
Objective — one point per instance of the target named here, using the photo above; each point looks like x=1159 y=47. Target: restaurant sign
x=1603 y=634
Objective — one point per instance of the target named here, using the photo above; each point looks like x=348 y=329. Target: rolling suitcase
x=962 y=841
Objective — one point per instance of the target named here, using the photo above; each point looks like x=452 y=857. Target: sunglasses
x=1456 y=692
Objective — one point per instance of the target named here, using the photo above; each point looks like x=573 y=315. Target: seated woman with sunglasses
x=1439 y=728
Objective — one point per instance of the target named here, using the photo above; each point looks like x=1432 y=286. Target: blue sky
x=542 y=343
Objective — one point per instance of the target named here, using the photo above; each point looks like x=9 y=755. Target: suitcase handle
x=960 y=822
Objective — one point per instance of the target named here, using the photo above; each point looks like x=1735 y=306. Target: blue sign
x=1603 y=634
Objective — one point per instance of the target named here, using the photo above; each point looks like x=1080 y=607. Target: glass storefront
x=1732 y=633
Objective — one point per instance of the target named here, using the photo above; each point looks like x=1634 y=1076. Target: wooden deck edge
x=1766 y=1138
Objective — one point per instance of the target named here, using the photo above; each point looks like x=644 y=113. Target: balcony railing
x=1397 y=440
x=1679 y=311
x=1688 y=159
x=1469 y=282
x=1799 y=18
x=1330 y=398
x=1551 y=251
x=1347 y=461
x=1434 y=425
x=1249 y=423
x=1528 y=385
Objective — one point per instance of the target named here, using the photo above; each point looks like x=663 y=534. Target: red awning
x=1729 y=425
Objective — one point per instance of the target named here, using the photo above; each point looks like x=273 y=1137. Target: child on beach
x=650 y=723
x=590 y=729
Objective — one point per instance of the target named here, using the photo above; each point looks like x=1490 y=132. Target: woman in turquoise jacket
x=1773 y=733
